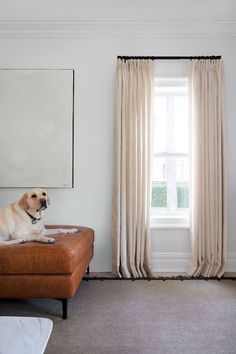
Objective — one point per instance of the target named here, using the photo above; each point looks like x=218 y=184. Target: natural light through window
x=170 y=163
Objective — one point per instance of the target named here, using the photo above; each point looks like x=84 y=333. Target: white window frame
x=170 y=220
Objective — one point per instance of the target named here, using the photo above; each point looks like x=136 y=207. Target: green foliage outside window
x=182 y=195
x=159 y=195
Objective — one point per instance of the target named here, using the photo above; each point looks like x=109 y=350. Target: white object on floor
x=24 y=335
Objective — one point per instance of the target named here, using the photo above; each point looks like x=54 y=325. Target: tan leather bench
x=37 y=270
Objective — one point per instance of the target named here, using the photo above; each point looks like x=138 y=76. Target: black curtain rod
x=212 y=57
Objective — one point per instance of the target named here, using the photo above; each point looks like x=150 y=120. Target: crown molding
x=115 y=27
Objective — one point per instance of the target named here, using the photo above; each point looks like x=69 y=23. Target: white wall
x=87 y=37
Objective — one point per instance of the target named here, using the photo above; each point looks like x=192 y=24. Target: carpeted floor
x=140 y=317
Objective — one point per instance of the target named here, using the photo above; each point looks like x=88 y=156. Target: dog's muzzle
x=43 y=203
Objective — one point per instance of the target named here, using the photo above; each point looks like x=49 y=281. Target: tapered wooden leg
x=64 y=308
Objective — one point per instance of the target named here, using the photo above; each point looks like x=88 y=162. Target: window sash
x=170 y=87
x=170 y=154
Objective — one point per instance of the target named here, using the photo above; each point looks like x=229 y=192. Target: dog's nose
x=43 y=202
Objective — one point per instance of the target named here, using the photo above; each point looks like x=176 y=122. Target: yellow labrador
x=21 y=221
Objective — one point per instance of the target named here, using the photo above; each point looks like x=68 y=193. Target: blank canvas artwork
x=36 y=128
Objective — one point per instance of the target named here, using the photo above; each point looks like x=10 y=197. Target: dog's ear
x=23 y=202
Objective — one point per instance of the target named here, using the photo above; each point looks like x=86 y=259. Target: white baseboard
x=170 y=262
x=178 y=262
x=101 y=263
x=161 y=262
x=231 y=262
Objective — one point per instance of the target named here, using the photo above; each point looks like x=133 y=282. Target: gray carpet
x=140 y=317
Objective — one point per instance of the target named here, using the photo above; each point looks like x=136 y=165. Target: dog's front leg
x=32 y=237
x=60 y=231
x=13 y=241
x=42 y=238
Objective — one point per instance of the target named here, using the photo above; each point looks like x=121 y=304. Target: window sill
x=170 y=222
x=166 y=226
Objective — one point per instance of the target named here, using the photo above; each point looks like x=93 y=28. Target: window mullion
x=171 y=161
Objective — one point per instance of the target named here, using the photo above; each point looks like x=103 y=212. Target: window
x=170 y=163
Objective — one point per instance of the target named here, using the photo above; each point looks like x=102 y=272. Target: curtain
x=208 y=181
x=131 y=192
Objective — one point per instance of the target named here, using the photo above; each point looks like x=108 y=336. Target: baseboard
x=231 y=262
x=161 y=262
x=178 y=262
x=101 y=263
x=170 y=262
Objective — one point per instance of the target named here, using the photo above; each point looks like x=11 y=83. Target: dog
x=21 y=222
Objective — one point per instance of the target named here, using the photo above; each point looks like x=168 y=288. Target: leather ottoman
x=37 y=270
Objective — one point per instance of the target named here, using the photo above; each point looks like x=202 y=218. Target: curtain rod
x=212 y=57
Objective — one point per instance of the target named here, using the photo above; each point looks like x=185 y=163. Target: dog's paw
x=50 y=240
x=72 y=231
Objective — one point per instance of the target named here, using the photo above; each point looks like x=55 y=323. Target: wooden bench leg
x=64 y=308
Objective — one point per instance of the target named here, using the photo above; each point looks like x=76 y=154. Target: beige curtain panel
x=208 y=181
x=131 y=193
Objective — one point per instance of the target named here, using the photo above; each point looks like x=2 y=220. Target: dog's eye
x=33 y=196
x=44 y=194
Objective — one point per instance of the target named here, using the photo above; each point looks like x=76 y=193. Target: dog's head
x=37 y=199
